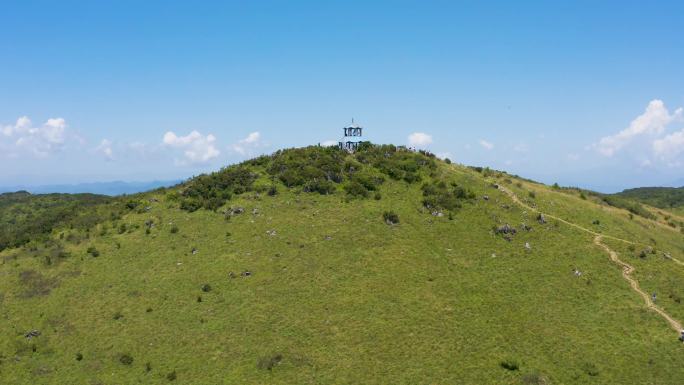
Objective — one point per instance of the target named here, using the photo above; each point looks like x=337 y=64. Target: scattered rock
x=246 y=274
x=328 y=237
x=541 y=219
x=527 y=246
x=206 y=288
x=194 y=251
x=235 y=211
x=525 y=227
x=32 y=333
x=506 y=229
x=486 y=197
x=577 y=272
x=255 y=211
x=271 y=232
x=231 y=275
x=437 y=214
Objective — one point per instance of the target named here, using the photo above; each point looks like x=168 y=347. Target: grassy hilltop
x=314 y=266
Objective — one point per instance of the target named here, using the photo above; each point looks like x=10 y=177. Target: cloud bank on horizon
x=653 y=140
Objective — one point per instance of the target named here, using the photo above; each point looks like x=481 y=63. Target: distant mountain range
x=103 y=188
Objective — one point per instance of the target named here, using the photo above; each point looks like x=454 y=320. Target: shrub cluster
x=211 y=191
x=313 y=169
x=316 y=169
x=440 y=195
x=93 y=251
x=25 y=217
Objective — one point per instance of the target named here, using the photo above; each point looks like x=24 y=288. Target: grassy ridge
x=334 y=294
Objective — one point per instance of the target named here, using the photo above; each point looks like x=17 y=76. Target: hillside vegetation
x=315 y=266
x=25 y=217
x=669 y=198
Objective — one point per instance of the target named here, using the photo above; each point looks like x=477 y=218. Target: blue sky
x=576 y=92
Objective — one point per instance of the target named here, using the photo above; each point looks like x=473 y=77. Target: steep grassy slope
x=304 y=287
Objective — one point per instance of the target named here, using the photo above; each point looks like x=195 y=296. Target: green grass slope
x=284 y=270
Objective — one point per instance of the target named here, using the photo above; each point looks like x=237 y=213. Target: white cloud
x=105 y=148
x=669 y=146
x=573 y=156
x=652 y=122
x=486 y=145
x=329 y=143
x=41 y=141
x=196 y=147
x=419 y=139
x=247 y=145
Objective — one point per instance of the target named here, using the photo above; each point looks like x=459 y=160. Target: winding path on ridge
x=627 y=269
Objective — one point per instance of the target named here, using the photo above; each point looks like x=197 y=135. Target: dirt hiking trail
x=627 y=269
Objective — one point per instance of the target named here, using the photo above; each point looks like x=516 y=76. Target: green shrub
x=126 y=359
x=321 y=186
x=356 y=189
x=509 y=365
x=93 y=251
x=174 y=229
x=440 y=195
x=591 y=369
